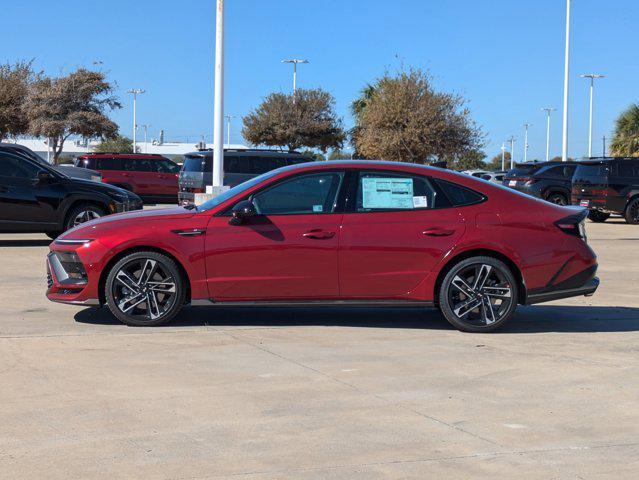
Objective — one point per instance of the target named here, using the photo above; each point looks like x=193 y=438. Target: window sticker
x=318 y=208
x=420 y=202
x=387 y=192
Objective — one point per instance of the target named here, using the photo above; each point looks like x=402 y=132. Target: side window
x=17 y=168
x=308 y=194
x=260 y=165
x=109 y=164
x=627 y=168
x=395 y=191
x=458 y=195
x=569 y=170
x=232 y=164
x=142 y=165
x=167 y=166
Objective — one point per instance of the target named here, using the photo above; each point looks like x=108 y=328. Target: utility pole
x=548 y=111
x=135 y=92
x=526 y=125
x=604 y=146
x=294 y=61
x=512 y=151
x=228 y=128
x=218 y=102
x=592 y=77
x=503 y=156
x=564 y=139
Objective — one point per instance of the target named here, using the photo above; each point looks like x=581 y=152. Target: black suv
x=548 y=180
x=239 y=165
x=608 y=185
x=36 y=198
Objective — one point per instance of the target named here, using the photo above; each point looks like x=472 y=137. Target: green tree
x=75 y=104
x=15 y=81
x=495 y=162
x=117 y=144
x=472 y=160
x=403 y=118
x=625 y=141
x=318 y=157
x=307 y=119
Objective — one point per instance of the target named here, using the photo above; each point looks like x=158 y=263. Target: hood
x=122 y=220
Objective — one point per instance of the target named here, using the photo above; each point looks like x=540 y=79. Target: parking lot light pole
x=503 y=156
x=526 y=126
x=218 y=105
x=512 y=151
x=548 y=111
x=228 y=128
x=564 y=139
x=294 y=61
x=592 y=77
x=135 y=92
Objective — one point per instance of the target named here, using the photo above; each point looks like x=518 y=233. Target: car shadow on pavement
x=535 y=319
x=25 y=243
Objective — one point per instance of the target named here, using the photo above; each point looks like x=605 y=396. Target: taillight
x=196 y=190
x=574 y=224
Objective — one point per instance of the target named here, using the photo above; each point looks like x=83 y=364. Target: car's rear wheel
x=478 y=294
x=598 y=217
x=81 y=214
x=557 y=199
x=145 y=289
x=632 y=212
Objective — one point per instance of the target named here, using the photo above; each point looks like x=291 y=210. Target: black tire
x=53 y=235
x=122 y=293
x=82 y=213
x=557 y=199
x=632 y=212
x=597 y=216
x=497 y=279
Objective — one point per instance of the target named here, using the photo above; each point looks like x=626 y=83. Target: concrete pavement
x=320 y=394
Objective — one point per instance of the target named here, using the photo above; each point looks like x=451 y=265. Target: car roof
x=250 y=152
x=148 y=156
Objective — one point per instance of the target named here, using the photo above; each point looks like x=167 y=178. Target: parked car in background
x=347 y=233
x=476 y=173
x=495 y=177
x=69 y=170
x=239 y=166
x=551 y=181
x=37 y=198
x=152 y=177
x=606 y=186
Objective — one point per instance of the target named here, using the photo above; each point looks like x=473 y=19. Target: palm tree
x=625 y=142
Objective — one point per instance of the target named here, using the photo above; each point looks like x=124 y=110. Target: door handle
x=318 y=234
x=438 y=232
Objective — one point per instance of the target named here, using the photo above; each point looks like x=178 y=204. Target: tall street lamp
x=526 y=126
x=503 y=156
x=512 y=151
x=564 y=139
x=592 y=77
x=294 y=61
x=135 y=92
x=548 y=111
x=228 y=128
x=218 y=101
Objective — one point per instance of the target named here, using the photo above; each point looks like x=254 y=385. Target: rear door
x=623 y=183
x=167 y=174
x=398 y=229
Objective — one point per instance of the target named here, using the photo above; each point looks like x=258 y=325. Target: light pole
x=135 y=92
x=218 y=102
x=512 y=151
x=548 y=111
x=592 y=77
x=146 y=130
x=526 y=125
x=294 y=61
x=503 y=156
x=564 y=139
x=228 y=128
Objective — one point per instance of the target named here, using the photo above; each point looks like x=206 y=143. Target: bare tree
x=14 y=87
x=75 y=104
x=307 y=119
x=403 y=118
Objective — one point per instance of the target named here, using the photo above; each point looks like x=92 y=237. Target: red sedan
x=336 y=233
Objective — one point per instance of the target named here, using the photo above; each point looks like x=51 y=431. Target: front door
x=288 y=251
x=399 y=230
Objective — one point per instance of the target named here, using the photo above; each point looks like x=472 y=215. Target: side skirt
x=315 y=303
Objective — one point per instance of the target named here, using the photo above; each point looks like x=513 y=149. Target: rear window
x=193 y=164
x=522 y=171
x=458 y=195
x=589 y=170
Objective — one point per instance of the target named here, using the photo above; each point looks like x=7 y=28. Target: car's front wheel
x=81 y=214
x=632 y=212
x=478 y=294
x=597 y=216
x=145 y=289
x=557 y=199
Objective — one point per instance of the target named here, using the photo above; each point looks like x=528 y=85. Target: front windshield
x=236 y=190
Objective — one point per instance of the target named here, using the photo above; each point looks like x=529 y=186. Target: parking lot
x=327 y=393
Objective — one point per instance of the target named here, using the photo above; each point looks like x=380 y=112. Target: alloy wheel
x=85 y=216
x=480 y=295
x=144 y=289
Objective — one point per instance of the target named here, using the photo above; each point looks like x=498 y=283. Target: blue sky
x=505 y=57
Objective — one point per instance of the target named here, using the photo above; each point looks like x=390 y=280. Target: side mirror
x=44 y=177
x=242 y=210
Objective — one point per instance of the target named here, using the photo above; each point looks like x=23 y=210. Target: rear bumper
x=587 y=289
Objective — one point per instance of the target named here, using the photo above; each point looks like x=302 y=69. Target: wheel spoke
x=482 y=276
x=487 y=312
x=133 y=302
x=162 y=287
x=465 y=307
x=147 y=271
x=497 y=292
x=462 y=286
x=154 y=308
x=126 y=280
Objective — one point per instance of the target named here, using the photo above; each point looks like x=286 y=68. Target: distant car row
x=604 y=185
